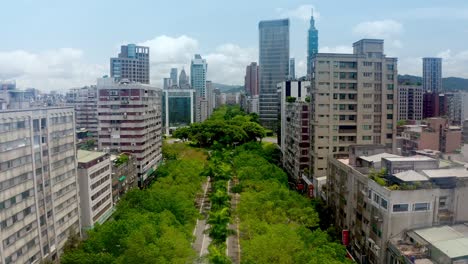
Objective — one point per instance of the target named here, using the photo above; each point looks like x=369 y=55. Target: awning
x=150 y=171
x=122 y=178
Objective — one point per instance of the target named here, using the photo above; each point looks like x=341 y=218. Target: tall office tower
x=84 y=100
x=39 y=204
x=167 y=83
x=95 y=181
x=292 y=69
x=198 y=71
x=274 y=67
x=209 y=97
x=410 y=102
x=183 y=79
x=312 y=44
x=251 y=79
x=130 y=117
x=174 y=76
x=132 y=64
x=353 y=101
x=432 y=74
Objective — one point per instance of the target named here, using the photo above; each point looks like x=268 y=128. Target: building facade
x=251 y=79
x=178 y=109
x=292 y=69
x=174 y=76
x=84 y=100
x=432 y=75
x=410 y=100
x=95 y=182
x=198 y=71
x=434 y=105
x=130 y=120
x=183 y=80
x=132 y=64
x=312 y=45
x=39 y=206
x=353 y=99
x=124 y=175
x=274 y=67
x=407 y=192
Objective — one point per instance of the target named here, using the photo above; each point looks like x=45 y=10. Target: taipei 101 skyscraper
x=312 y=44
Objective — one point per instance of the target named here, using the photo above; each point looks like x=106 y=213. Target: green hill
x=448 y=84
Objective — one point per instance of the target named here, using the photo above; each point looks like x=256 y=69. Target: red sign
x=300 y=187
x=311 y=191
x=345 y=237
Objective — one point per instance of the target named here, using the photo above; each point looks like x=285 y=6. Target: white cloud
x=454 y=64
x=445 y=13
x=336 y=49
x=301 y=12
x=49 y=70
x=378 y=29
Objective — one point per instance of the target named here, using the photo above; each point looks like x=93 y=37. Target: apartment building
x=132 y=63
x=353 y=101
x=84 y=100
x=39 y=204
x=124 y=175
x=376 y=196
x=433 y=134
x=410 y=102
x=293 y=136
x=130 y=120
x=94 y=179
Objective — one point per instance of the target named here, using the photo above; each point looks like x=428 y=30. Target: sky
x=61 y=44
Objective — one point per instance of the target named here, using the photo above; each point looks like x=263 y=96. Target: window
x=389 y=126
x=389 y=136
x=390 y=77
x=389 y=107
x=367 y=116
x=366 y=137
x=418 y=207
x=400 y=208
x=383 y=203
x=376 y=198
x=389 y=96
x=366 y=127
x=390 y=86
x=367 y=74
x=443 y=202
x=367 y=106
x=390 y=67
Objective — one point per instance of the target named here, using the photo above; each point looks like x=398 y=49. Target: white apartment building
x=39 y=204
x=412 y=192
x=95 y=181
x=353 y=101
x=130 y=121
x=85 y=102
x=410 y=102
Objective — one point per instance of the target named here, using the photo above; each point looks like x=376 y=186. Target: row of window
x=18 y=235
x=416 y=207
x=14 y=144
x=13 y=126
x=10 y=164
x=17 y=217
x=101 y=181
x=13 y=257
x=6 y=184
x=16 y=199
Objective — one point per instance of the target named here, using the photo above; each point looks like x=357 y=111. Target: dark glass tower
x=312 y=44
x=274 y=67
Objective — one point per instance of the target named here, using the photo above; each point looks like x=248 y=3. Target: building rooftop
x=378 y=157
x=447 y=239
x=447 y=173
x=412 y=158
x=85 y=156
x=410 y=176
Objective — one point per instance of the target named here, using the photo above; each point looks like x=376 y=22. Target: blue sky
x=59 y=44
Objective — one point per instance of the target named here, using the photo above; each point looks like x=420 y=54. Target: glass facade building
x=178 y=108
x=432 y=75
x=274 y=67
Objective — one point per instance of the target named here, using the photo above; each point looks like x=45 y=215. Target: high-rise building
x=132 y=64
x=434 y=104
x=292 y=69
x=167 y=83
x=198 y=71
x=251 y=79
x=130 y=120
x=294 y=136
x=209 y=97
x=183 y=79
x=274 y=67
x=178 y=108
x=84 y=100
x=432 y=75
x=312 y=44
x=39 y=206
x=353 y=99
x=174 y=76
x=95 y=181
x=410 y=100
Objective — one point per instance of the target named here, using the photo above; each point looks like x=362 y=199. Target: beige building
x=130 y=120
x=410 y=192
x=39 y=204
x=95 y=181
x=410 y=102
x=353 y=99
x=85 y=102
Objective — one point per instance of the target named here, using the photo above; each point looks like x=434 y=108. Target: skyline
x=227 y=39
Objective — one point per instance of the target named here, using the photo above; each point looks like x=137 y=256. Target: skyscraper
x=274 y=67
x=312 y=44
x=251 y=79
x=183 y=79
x=198 y=70
x=132 y=64
x=432 y=74
x=292 y=69
x=174 y=76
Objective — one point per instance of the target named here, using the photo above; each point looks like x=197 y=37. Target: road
x=232 y=242
x=202 y=240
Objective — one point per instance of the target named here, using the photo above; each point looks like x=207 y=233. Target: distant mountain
x=448 y=84
x=225 y=88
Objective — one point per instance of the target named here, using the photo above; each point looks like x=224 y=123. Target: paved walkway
x=202 y=240
x=232 y=242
